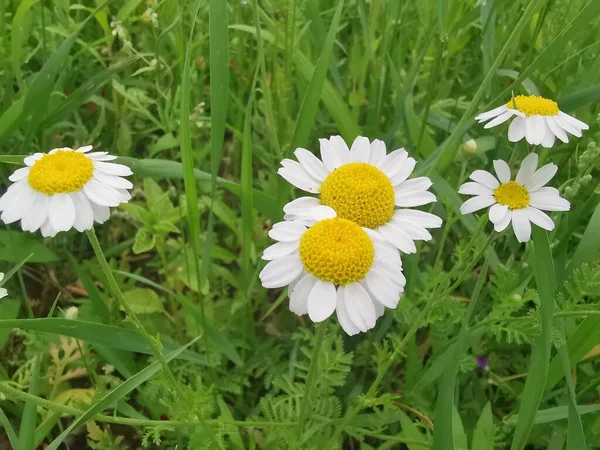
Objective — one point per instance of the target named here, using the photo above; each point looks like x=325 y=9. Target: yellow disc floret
x=337 y=250
x=532 y=105
x=512 y=194
x=359 y=192
x=61 y=172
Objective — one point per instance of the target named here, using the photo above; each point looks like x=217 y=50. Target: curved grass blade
x=113 y=396
x=29 y=418
x=10 y=432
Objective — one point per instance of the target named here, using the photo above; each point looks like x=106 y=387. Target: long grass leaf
x=29 y=417
x=10 y=432
x=543 y=269
x=557 y=413
x=116 y=394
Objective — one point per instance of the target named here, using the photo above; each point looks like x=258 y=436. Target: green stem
x=154 y=344
x=310 y=379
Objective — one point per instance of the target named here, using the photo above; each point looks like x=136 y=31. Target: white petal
x=280 y=249
x=301 y=205
x=311 y=164
x=299 y=294
x=281 y=271
x=343 y=316
x=521 y=225
x=377 y=152
x=323 y=212
x=505 y=222
x=413 y=230
x=101 y=156
x=19 y=174
x=398 y=237
x=295 y=174
x=414 y=199
x=84 y=214
x=548 y=199
x=502 y=171
x=549 y=138
x=476 y=203
x=395 y=163
x=330 y=158
x=499 y=119
x=383 y=289
x=413 y=185
x=341 y=148
x=287 y=231
x=37 y=214
x=556 y=129
x=387 y=252
x=489 y=114
x=485 y=178
x=113 y=168
x=527 y=168
x=498 y=212
x=47 y=230
x=562 y=122
x=85 y=149
x=61 y=212
x=516 y=130
x=473 y=188
x=322 y=299
x=360 y=150
x=360 y=306
x=112 y=180
x=425 y=219
x=541 y=176
x=101 y=194
x=535 y=128
x=101 y=213
x=540 y=218
x=18 y=202
x=405 y=171
x=390 y=270
x=30 y=160
x=573 y=121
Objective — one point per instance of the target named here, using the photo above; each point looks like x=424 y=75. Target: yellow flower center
x=359 y=192
x=63 y=171
x=512 y=194
x=532 y=105
x=337 y=250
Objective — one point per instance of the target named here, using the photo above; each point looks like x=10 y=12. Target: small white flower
x=519 y=202
x=65 y=189
x=108 y=369
x=3 y=292
x=71 y=313
x=538 y=120
x=365 y=185
x=335 y=265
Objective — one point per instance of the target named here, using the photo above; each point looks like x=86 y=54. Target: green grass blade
x=312 y=97
x=576 y=99
x=29 y=418
x=589 y=246
x=108 y=335
x=543 y=269
x=113 y=396
x=10 y=432
x=557 y=413
x=483 y=435
x=448 y=149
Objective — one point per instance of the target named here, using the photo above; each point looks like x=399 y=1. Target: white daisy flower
x=65 y=189
x=519 y=202
x=3 y=292
x=366 y=186
x=538 y=120
x=334 y=265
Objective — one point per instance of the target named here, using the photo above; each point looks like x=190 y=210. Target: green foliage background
x=202 y=100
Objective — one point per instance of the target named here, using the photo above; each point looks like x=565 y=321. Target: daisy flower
x=538 y=120
x=65 y=189
x=519 y=202
x=364 y=185
x=334 y=265
x=3 y=292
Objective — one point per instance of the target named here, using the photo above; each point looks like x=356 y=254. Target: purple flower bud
x=482 y=362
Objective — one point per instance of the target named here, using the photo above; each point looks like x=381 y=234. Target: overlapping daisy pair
x=63 y=189
x=340 y=251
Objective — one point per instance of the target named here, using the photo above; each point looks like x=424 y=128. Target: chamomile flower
x=65 y=189
x=334 y=266
x=520 y=202
x=364 y=185
x=538 y=120
x=3 y=291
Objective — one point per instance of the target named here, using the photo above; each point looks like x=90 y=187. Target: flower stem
x=154 y=343
x=310 y=379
